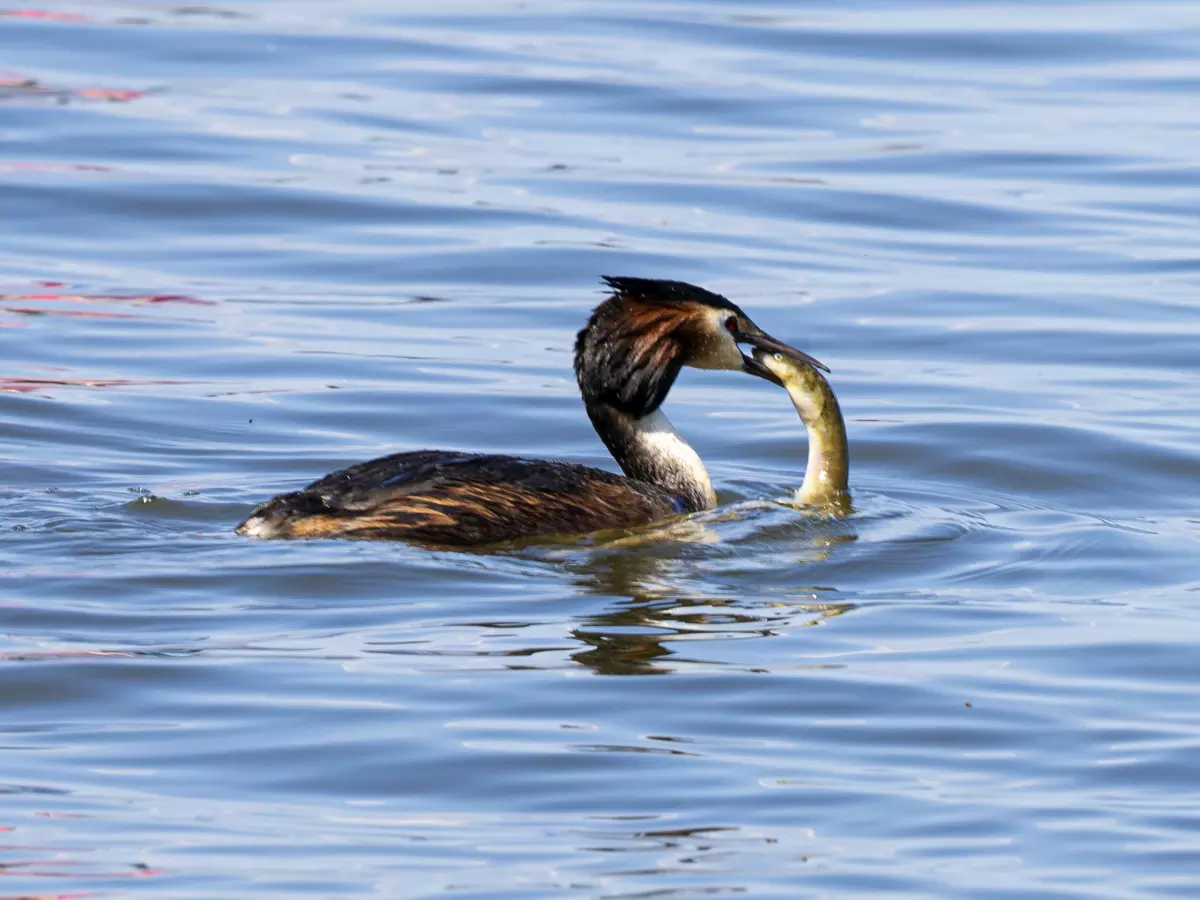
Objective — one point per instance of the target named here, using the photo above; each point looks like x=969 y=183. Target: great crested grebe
x=626 y=359
x=827 y=475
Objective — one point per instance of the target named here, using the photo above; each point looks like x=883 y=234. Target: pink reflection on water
x=69 y=297
x=31 y=87
x=35 y=166
x=32 y=385
x=45 y=15
x=45 y=303
x=111 y=94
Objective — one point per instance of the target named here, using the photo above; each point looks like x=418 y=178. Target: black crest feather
x=656 y=290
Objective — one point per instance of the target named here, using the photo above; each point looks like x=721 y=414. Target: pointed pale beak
x=763 y=341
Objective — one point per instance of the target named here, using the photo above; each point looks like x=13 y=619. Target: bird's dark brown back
x=457 y=499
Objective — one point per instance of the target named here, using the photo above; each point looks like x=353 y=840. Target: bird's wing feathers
x=461 y=498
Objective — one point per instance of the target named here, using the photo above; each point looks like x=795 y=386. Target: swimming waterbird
x=626 y=359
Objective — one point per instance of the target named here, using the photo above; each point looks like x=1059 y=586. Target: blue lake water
x=244 y=245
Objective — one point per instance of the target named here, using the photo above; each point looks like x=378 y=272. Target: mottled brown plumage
x=449 y=499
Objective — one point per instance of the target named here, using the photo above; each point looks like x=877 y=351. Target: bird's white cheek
x=721 y=352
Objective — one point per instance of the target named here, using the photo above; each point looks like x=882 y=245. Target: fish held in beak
x=764 y=344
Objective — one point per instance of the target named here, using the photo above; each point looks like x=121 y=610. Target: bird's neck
x=649 y=449
x=828 y=471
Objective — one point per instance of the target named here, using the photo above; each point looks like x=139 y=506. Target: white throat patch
x=659 y=440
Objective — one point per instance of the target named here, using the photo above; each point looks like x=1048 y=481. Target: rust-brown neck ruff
x=627 y=358
x=635 y=342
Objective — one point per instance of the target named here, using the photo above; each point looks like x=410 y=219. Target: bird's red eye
x=731 y=324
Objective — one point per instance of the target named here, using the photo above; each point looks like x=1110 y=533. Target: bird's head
x=633 y=346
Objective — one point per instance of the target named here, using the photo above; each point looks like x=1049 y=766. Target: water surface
x=244 y=245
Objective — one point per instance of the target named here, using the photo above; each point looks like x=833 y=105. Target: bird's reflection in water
x=633 y=640
x=665 y=593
